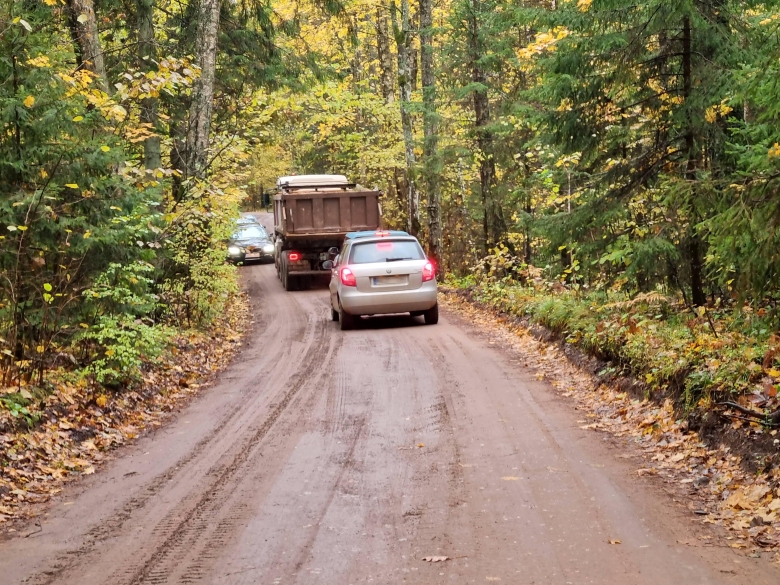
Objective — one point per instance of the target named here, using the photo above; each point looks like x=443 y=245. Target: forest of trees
x=629 y=146
x=614 y=143
x=127 y=130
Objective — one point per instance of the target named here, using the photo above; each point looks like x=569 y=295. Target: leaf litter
x=82 y=422
x=719 y=490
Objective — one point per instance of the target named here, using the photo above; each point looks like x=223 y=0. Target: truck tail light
x=382 y=233
x=294 y=256
x=347 y=278
x=428 y=272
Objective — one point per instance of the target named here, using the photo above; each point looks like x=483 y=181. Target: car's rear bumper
x=381 y=303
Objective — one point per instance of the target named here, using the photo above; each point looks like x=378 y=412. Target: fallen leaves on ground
x=718 y=488
x=81 y=422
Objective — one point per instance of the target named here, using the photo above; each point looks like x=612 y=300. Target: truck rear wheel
x=290 y=283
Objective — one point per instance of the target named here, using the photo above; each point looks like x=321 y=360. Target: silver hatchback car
x=383 y=272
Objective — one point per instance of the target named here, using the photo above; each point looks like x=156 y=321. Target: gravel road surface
x=322 y=457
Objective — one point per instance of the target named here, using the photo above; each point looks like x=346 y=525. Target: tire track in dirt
x=114 y=525
x=190 y=519
x=209 y=544
x=436 y=517
x=180 y=532
x=304 y=552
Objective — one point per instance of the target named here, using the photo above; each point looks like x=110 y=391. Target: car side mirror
x=327 y=265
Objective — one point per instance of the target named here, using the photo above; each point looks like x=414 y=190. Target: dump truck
x=312 y=214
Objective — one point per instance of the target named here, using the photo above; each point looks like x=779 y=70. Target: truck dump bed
x=312 y=206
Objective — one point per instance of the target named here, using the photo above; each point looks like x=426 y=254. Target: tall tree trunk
x=147 y=53
x=84 y=30
x=358 y=74
x=403 y=39
x=414 y=68
x=430 y=131
x=695 y=244
x=203 y=89
x=493 y=222
x=385 y=57
x=357 y=58
x=178 y=152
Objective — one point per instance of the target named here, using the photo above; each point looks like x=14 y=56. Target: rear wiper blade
x=396 y=259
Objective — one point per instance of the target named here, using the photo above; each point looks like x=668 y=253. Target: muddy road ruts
x=329 y=457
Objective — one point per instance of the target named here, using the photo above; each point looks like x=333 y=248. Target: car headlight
x=234 y=251
x=268 y=248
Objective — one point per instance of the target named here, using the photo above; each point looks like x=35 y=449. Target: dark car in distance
x=250 y=243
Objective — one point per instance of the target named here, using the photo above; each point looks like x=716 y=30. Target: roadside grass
x=699 y=358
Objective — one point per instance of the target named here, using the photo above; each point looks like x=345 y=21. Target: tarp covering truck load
x=312 y=214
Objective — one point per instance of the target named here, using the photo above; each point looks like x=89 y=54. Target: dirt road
x=323 y=457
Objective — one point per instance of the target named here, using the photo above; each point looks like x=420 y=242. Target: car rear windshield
x=386 y=251
x=254 y=231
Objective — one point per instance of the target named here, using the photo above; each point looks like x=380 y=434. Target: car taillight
x=347 y=278
x=294 y=256
x=428 y=272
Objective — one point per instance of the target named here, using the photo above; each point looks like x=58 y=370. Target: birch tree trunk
x=203 y=88
x=431 y=167
x=403 y=39
x=84 y=31
x=147 y=53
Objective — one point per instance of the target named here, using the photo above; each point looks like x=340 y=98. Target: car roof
x=375 y=234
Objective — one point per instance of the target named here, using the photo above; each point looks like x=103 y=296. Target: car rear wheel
x=347 y=320
x=432 y=315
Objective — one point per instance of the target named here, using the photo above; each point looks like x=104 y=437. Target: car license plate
x=386 y=280
x=253 y=255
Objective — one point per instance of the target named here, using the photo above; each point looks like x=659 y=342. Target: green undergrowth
x=699 y=357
